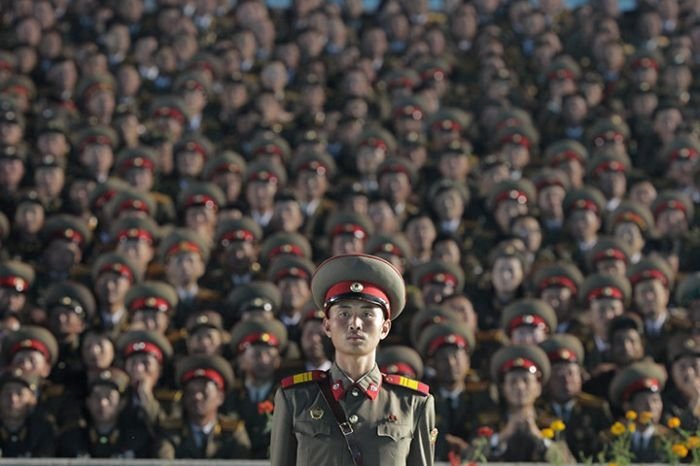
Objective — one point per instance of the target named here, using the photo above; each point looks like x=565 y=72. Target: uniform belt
x=342 y=420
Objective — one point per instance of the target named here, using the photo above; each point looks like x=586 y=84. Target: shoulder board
x=164 y=394
x=161 y=198
x=171 y=423
x=207 y=294
x=302 y=378
x=408 y=383
x=590 y=401
x=71 y=425
x=495 y=335
x=229 y=424
x=477 y=386
x=53 y=390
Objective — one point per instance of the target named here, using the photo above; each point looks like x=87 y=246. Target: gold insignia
x=357 y=287
x=316 y=413
x=433 y=436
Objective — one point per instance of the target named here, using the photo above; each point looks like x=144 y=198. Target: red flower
x=454 y=458
x=484 y=431
x=266 y=407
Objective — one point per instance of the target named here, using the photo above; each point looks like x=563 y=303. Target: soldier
x=437 y=279
x=202 y=432
x=633 y=223
x=257 y=345
x=292 y=275
x=66 y=237
x=25 y=429
x=113 y=275
x=348 y=233
x=205 y=334
x=584 y=415
x=609 y=256
x=528 y=321
x=263 y=180
x=314 y=172
x=198 y=205
x=257 y=299
x=136 y=239
x=584 y=213
x=16 y=280
x=104 y=433
x=237 y=249
x=150 y=305
x=559 y=284
x=226 y=171
x=449 y=200
x=386 y=419
x=681 y=400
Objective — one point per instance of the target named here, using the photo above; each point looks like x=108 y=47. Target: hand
x=456 y=444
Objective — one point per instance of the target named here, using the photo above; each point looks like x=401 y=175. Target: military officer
x=681 y=400
x=352 y=414
x=528 y=321
x=400 y=360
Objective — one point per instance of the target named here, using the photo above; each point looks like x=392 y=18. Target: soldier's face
x=507 y=274
x=521 y=388
x=260 y=361
x=651 y=297
x=184 y=268
x=565 y=381
x=614 y=267
x=140 y=178
x=312 y=338
x=686 y=375
x=150 y=320
x=603 y=311
x=584 y=224
x=451 y=364
x=64 y=322
x=347 y=244
x=201 y=398
x=631 y=234
x=447 y=251
x=32 y=362
x=626 y=347
x=111 y=288
x=528 y=335
x=104 y=403
x=204 y=341
x=449 y=205
x=142 y=367
x=97 y=352
x=464 y=308
x=356 y=327
x=560 y=298
x=11 y=300
x=672 y=222
x=649 y=402
x=295 y=292
x=16 y=401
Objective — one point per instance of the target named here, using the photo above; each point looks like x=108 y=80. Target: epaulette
x=76 y=424
x=171 y=423
x=165 y=394
x=161 y=198
x=494 y=335
x=229 y=424
x=53 y=390
x=477 y=386
x=208 y=294
x=402 y=381
x=176 y=335
x=302 y=378
x=590 y=401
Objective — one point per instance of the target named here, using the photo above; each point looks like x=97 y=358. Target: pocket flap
x=395 y=431
x=313 y=428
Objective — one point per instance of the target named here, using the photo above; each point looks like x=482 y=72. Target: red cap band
x=138 y=162
x=671 y=204
x=684 y=153
x=445 y=340
x=446 y=125
x=374 y=142
x=294 y=272
x=562 y=355
x=520 y=363
x=209 y=374
x=201 y=200
x=183 y=246
x=285 y=249
x=643 y=385
x=564 y=156
x=585 y=204
x=31 y=344
x=263 y=175
x=143 y=347
x=133 y=204
x=605 y=292
x=18 y=284
x=236 y=235
x=649 y=274
x=135 y=233
x=561 y=73
x=439 y=277
x=170 y=112
x=120 y=269
x=70 y=235
x=153 y=303
x=400 y=368
x=264 y=337
x=558 y=280
x=269 y=149
x=350 y=228
x=610 y=254
x=527 y=320
x=610 y=165
x=512 y=195
x=362 y=290
x=516 y=138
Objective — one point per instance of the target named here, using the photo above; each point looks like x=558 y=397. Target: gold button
x=355 y=393
x=353 y=418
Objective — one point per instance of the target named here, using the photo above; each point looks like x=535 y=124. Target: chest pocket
x=313 y=428
x=394 y=431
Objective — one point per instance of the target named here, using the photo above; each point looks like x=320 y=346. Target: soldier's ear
x=327 y=327
x=386 y=326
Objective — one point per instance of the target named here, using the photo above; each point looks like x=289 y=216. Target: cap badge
x=357 y=287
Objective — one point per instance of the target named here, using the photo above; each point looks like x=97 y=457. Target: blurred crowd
x=172 y=171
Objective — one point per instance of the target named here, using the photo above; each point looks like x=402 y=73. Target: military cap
x=205 y=62
x=520 y=357
x=563 y=67
x=409 y=107
x=558 y=274
x=29 y=195
x=585 y=198
x=90 y=84
x=637 y=377
x=30 y=337
x=136 y=157
x=682 y=147
x=394 y=244
x=193 y=80
x=563 y=150
x=258 y=331
x=450 y=119
x=429 y=316
x=433 y=69
x=406 y=78
x=253 y=296
x=688 y=290
x=213 y=368
x=605 y=129
x=127 y=228
x=95 y=135
x=201 y=194
x=10 y=115
x=376 y=137
x=438 y=272
x=67 y=227
x=513 y=117
x=673 y=200
x=400 y=360
x=104 y=192
x=8 y=61
x=282 y=244
x=457 y=147
x=525 y=136
x=398 y=165
x=313 y=135
x=130 y=199
x=118 y=264
x=237 y=229
x=270 y=143
x=315 y=161
x=446 y=333
x=634 y=212
x=267 y=172
x=563 y=347
x=52 y=125
x=444 y=184
x=17 y=374
x=412 y=139
x=607 y=248
x=521 y=191
x=20 y=84
x=608 y=161
x=360 y=277
x=18 y=152
x=153 y=296
x=169 y=107
x=528 y=312
x=196 y=143
x=547 y=177
x=311 y=313
x=112 y=377
x=204 y=319
x=683 y=344
x=226 y=162
x=291 y=266
x=650 y=268
x=17 y=276
x=70 y=295
x=599 y=286
x=48 y=161
x=626 y=321
x=349 y=223
x=143 y=341
x=646 y=58
x=183 y=240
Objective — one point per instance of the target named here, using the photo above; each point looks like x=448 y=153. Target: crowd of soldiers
x=171 y=172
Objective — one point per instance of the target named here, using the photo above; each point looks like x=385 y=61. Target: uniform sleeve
x=422 y=452
x=283 y=443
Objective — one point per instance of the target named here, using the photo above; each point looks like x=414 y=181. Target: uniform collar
x=369 y=384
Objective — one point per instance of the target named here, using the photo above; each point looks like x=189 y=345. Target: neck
x=105 y=427
x=355 y=366
x=453 y=385
x=201 y=421
x=251 y=380
x=316 y=362
x=527 y=411
x=13 y=424
x=114 y=308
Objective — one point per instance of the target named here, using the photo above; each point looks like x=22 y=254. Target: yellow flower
x=631 y=415
x=547 y=433
x=673 y=423
x=679 y=450
x=617 y=429
x=612 y=464
x=558 y=426
x=645 y=417
x=693 y=442
x=632 y=427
